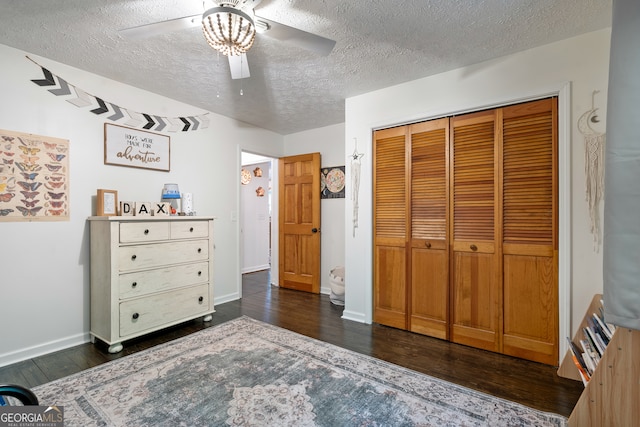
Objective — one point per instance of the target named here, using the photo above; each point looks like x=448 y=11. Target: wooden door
x=429 y=270
x=390 y=227
x=530 y=244
x=475 y=272
x=299 y=221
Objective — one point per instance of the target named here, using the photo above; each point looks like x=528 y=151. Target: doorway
x=256 y=214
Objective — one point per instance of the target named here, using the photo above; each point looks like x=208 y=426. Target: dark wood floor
x=529 y=383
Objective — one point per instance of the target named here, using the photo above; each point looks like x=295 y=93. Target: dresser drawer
x=189 y=229
x=140 y=314
x=162 y=279
x=133 y=232
x=161 y=254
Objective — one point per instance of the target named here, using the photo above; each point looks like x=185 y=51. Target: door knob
x=428 y=244
x=314 y=230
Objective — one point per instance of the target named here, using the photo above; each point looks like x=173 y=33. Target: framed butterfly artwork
x=34 y=177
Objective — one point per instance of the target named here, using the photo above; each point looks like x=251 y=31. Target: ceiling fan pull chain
x=241 y=76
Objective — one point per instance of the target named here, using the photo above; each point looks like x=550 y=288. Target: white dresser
x=148 y=273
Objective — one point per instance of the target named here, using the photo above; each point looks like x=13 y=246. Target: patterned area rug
x=248 y=373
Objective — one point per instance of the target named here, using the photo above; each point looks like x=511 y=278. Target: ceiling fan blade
x=297 y=37
x=162 y=27
x=239 y=66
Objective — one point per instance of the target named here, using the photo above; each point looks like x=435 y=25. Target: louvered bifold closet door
x=475 y=284
x=429 y=269
x=390 y=227
x=529 y=231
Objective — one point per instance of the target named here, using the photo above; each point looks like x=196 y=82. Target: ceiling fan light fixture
x=228 y=30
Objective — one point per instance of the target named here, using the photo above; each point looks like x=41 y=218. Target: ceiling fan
x=242 y=12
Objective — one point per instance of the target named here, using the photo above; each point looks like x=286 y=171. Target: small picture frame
x=107 y=203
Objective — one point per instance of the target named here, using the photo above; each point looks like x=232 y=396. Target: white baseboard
x=42 y=349
x=226 y=298
x=255 y=268
x=356 y=317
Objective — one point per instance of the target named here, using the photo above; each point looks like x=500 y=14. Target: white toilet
x=336 y=278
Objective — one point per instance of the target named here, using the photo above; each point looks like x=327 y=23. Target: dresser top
x=151 y=218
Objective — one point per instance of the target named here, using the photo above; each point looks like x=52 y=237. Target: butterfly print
x=53 y=168
x=29 y=159
x=29 y=186
x=28 y=211
x=55 y=203
x=5 y=212
x=55 y=196
x=55 y=178
x=56 y=157
x=61 y=149
x=49 y=145
x=29 y=203
x=24 y=167
x=29 y=150
x=7 y=161
x=6 y=197
x=56 y=212
x=30 y=194
x=9 y=153
x=8 y=138
x=30 y=176
x=54 y=185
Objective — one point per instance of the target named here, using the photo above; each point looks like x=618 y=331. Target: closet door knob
x=146 y=231
x=191 y=230
x=133 y=257
x=199 y=273
x=135 y=316
x=134 y=284
x=200 y=299
x=473 y=247
x=199 y=250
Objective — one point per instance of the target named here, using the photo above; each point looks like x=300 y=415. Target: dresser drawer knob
x=135 y=316
x=200 y=299
x=146 y=231
x=134 y=284
x=428 y=245
x=191 y=230
x=199 y=273
x=473 y=247
x=133 y=257
x=199 y=250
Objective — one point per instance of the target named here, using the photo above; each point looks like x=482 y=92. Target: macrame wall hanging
x=355 y=182
x=594 y=143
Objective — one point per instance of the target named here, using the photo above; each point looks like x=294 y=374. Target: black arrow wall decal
x=81 y=99
x=150 y=122
x=102 y=109
x=48 y=79
x=186 y=123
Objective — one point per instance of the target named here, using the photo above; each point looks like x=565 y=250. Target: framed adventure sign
x=136 y=148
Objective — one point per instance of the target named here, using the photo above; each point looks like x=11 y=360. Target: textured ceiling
x=378 y=44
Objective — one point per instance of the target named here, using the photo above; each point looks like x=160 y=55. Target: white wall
x=329 y=142
x=255 y=219
x=581 y=62
x=44 y=284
